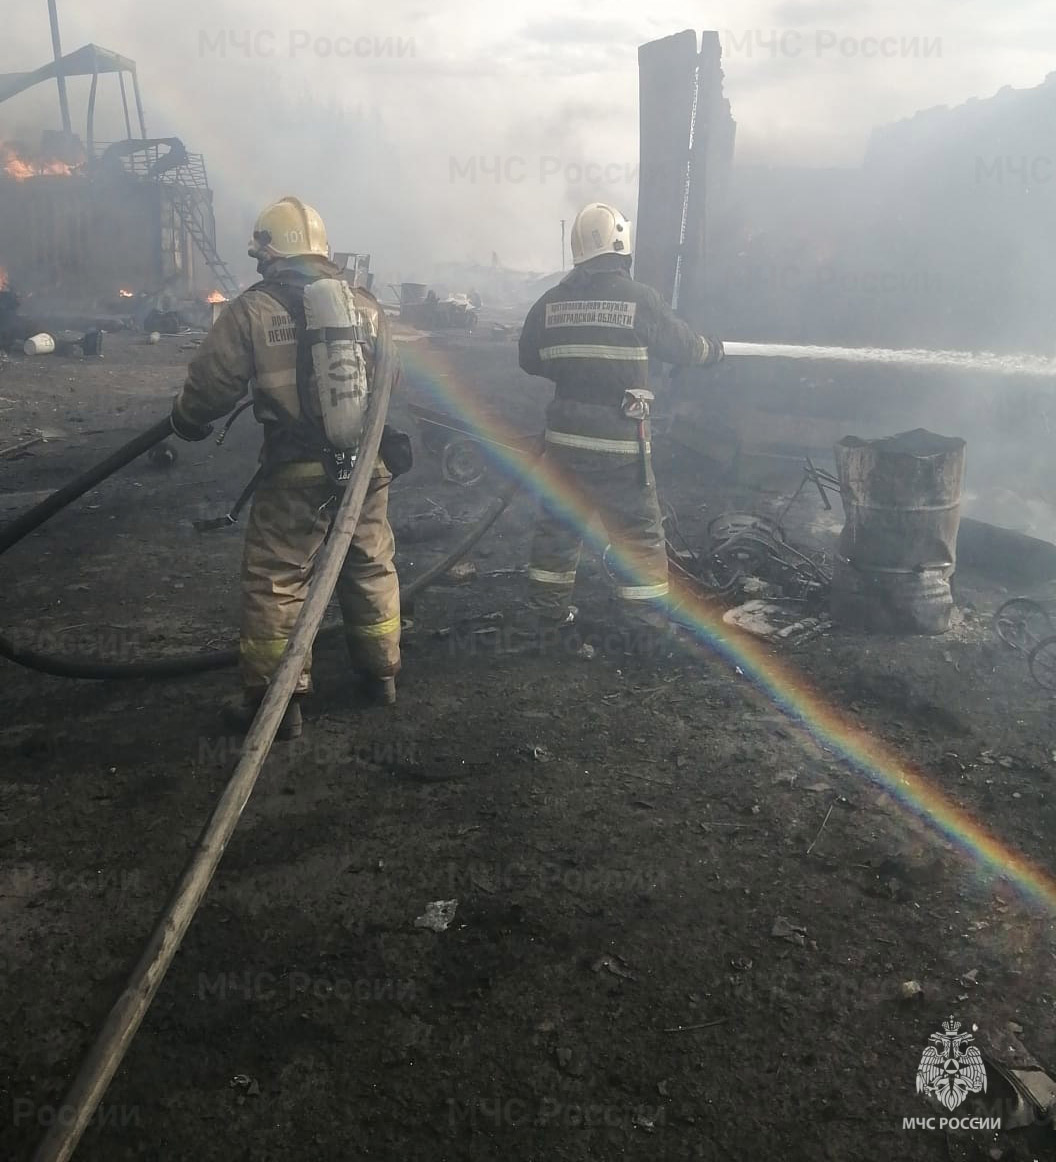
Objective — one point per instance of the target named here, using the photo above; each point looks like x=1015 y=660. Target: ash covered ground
x=659 y=950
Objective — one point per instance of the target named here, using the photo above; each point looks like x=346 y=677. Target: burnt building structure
x=84 y=220
x=687 y=135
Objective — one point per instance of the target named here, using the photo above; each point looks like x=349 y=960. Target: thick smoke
x=430 y=134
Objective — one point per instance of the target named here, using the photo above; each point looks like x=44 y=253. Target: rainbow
x=816 y=721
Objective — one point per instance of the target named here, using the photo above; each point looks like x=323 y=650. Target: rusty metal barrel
x=898 y=548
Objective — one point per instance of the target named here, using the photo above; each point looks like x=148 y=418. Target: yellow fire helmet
x=287 y=228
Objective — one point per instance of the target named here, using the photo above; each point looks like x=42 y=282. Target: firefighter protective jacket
x=253 y=345
x=594 y=333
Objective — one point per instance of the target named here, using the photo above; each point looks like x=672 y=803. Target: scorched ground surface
x=621 y=835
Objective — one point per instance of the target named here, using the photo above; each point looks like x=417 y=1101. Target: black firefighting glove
x=188 y=431
x=714 y=352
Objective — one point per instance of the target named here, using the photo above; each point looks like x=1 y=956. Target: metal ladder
x=187 y=206
x=187 y=184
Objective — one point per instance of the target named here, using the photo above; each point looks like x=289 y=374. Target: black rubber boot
x=239 y=716
x=380 y=691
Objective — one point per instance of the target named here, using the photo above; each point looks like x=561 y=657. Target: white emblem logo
x=951 y=1067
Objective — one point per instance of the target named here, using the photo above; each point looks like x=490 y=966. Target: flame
x=126 y=294
x=13 y=165
x=216 y=297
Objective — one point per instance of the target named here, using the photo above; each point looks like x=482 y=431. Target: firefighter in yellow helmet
x=261 y=343
x=594 y=335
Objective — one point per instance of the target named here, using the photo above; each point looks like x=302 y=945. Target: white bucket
x=41 y=344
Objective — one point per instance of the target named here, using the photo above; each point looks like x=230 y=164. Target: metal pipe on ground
x=127 y=1014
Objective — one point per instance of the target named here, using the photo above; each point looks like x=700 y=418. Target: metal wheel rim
x=463 y=463
x=1012 y=624
x=1042 y=663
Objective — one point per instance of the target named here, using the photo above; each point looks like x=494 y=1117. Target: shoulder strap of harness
x=338 y=464
x=291 y=296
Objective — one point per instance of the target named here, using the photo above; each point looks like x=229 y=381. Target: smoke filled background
x=461 y=133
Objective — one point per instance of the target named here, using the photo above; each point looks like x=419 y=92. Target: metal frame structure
x=185 y=200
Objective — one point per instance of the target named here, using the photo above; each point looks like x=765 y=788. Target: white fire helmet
x=599 y=229
x=288 y=228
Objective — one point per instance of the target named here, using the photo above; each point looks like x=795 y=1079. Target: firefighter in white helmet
x=594 y=334
x=266 y=341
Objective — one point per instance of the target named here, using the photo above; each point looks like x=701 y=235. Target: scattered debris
x=540 y=754
x=613 y=965
x=42 y=344
x=586 y=651
x=784 y=929
x=162 y=456
x=14 y=449
x=250 y=1086
x=471 y=625
x=1033 y=1089
x=911 y=990
x=691 y=1028
x=814 y=843
x=970 y=977
x=462 y=573
x=438 y=915
x=776 y=621
x=756 y=587
x=424 y=526
x=748 y=552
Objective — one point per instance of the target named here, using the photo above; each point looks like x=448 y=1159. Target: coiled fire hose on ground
x=72 y=667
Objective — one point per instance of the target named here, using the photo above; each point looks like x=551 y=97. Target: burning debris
x=81 y=220
x=60 y=221
x=18 y=165
x=20 y=333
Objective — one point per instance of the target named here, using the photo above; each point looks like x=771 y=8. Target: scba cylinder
x=337 y=332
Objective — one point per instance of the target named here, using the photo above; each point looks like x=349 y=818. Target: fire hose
x=126 y=1015
x=197 y=663
x=72 y=667
x=124 y=1019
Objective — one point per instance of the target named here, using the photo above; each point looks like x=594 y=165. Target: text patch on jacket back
x=596 y=313
x=280 y=330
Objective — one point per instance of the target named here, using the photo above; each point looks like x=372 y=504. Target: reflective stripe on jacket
x=594 y=333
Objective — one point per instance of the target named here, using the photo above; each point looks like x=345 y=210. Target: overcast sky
x=546 y=88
